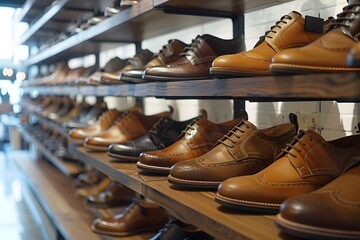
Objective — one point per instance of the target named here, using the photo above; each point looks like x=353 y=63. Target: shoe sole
x=132 y=79
x=96 y=148
x=304 y=69
x=312 y=232
x=170 y=79
x=248 y=206
x=155 y=169
x=221 y=72
x=193 y=183
x=123 y=157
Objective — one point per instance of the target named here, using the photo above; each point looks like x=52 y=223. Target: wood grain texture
x=55 y=194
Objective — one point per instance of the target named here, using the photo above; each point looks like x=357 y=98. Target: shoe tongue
x=316 y=136
x=295 y=14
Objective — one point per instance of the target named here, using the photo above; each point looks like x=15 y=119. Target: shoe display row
x=293 y=45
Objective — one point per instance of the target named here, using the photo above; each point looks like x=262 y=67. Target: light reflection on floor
x=16 y=220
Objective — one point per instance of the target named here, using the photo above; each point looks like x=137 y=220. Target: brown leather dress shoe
x=332 y=212
x=242 y=151
x=169 y=53
x=307 y=164
x=196 y=59
x=106 y=120
x=131 y=125
x=136 y=218
x=115 y=195
x=288 y=32
x=328 y=53
x=197 y=139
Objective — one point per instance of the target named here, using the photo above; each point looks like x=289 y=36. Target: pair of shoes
x=195 y=60
x=138 y=216
x=128 y=126
x=105 y=121
x=163 y=133
x=290 y=48
x=196 y=139
x=242 y=151
x=305 y=165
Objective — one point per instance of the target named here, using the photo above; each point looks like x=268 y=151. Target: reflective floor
x=19 y=220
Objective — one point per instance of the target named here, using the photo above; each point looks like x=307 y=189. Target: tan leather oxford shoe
x=328 y=53
x=287 y=33
x=307 y=164
x=105 y=121
x=129 y=126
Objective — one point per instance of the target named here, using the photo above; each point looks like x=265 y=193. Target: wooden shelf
x=56 y=195
x=144 y=20
x=195 y=207
x=339 y=87
x=67 y=168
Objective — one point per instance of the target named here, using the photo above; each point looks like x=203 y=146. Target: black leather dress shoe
x=177 y=230
x=164 y=133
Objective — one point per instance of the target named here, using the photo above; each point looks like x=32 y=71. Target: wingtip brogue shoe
x=243 y=150
x=332 y=212
x=307 y=164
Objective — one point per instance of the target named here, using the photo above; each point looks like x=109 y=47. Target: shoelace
x=158 y=125
x=188 y=50
x=272 y=29
x=297 y=139
x=233 y=132
x=345 y=17
x=191 y=126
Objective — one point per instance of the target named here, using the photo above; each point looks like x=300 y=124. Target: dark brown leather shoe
x=307 y=164
x=169 y=53
x=196 y=59
x=332 y=212
x=131 y=125
x=106 y=120
x=111 y=67
x=141 y=58
x=328 y=53
x=242 y=151
x=136 y=218
x=197 y=139
x=115 y=195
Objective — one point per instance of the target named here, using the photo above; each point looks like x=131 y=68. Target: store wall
x=330 y=118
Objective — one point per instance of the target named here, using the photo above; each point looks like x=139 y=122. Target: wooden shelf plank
x=67 y=168
x=126 y=173
x=195 y=207
x=56 y=195
x=315 y=87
